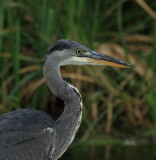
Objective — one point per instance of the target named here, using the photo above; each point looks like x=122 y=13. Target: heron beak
x=102 y=59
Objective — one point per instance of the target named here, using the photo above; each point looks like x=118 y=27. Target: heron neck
x=54 y=81
x=68 y=123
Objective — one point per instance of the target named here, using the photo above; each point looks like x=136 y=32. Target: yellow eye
x=78 y=51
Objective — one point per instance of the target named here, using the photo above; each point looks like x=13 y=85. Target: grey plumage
x=28 y=134
x=25 y=130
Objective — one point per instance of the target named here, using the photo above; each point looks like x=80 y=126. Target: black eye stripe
x=57 y=47
x=64 y=44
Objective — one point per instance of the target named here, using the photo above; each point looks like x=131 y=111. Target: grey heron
x=29 y=134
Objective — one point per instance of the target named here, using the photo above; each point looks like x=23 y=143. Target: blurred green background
x=119 y=104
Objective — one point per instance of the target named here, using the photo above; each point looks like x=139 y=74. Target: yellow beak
x=102 y=59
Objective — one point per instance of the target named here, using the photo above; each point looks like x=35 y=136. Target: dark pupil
x=79 y=51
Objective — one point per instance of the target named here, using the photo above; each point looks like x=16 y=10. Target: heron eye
x=78 y=51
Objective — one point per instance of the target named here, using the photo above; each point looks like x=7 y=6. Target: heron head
x=67 y=52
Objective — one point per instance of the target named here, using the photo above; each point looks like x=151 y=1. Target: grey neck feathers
x=57 y=85
x=68 y=123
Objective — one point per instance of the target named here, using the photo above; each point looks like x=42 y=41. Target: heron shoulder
x=25 y=120
x=24 y=125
